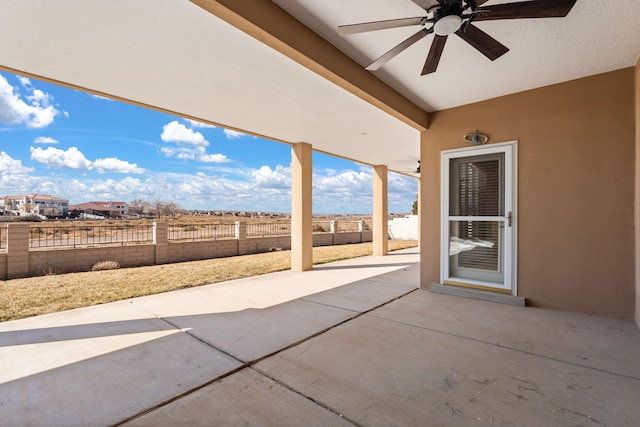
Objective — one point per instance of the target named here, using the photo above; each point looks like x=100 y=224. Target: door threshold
x=482 y=288
x=483 y=295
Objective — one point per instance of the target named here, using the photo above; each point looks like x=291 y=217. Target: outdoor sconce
x=476 y=138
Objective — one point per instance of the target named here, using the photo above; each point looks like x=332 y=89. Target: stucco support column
x=424 y=213
x=637 y=192
x=301 y=208
x=419 y=210
x=380 y=211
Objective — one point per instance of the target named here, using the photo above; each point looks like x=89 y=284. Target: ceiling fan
x=446 y=17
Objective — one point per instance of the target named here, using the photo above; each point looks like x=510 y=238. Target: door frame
x=510 y=150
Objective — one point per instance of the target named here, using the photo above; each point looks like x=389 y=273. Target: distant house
x=101 y=209
x=42 y=205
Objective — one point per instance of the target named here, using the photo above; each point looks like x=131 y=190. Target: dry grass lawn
x=28 y=297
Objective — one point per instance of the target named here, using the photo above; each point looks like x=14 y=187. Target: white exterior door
x=478 y=217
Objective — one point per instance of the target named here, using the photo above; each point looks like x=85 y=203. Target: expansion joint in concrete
x=249 y=364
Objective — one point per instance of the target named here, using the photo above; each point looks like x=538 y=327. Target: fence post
x=17 y=251
x=333 y=228
x=361 y=230
x=241 y=237
x=161 y=241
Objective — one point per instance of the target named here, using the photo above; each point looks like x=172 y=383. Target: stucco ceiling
x=179 y=57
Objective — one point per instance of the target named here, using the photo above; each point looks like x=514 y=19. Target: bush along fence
x=35 y=251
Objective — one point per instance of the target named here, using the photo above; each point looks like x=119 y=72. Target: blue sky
x=70 y=144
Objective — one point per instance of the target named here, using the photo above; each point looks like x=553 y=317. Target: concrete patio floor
x=350 y=343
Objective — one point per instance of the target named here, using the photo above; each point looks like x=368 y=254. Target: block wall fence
x=19 y=260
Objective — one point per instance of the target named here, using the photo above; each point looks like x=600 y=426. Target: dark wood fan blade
x=427 y=4
x=433 y=59
x=399 y=48
x=345 y=30
x=483 y=42
x=526 y=9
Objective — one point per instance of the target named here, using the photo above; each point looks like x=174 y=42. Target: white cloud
x=265 y=177
x=37 y=112
x=70 y=159
x=45 y=140
x=125 y=189
x=77 y=187
x=101 y=98
x=116 y=165
x=194 y=153
x=197 y=124
x=11 y=166
x=191 y=145
x=184 y=153
x=73 y=158
x=213 y=158
x=348 y=181
x=24 y=81
x=179 y=133
x=232 y=134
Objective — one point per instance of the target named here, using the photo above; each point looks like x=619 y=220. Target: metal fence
x=322 y=226
x=269 y=229
x=195 y=232
x=74 y=236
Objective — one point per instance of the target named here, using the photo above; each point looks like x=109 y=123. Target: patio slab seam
x=249 y=364
x=181 y=395
x=497 y=344
x=310 y=299
x=301 y=394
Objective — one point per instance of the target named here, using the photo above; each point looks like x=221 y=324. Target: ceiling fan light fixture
x=447 y=25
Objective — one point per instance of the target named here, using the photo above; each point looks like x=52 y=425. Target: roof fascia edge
x=270 y=24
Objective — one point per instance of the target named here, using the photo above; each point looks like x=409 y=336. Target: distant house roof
x=34 y=196
x=99 y=206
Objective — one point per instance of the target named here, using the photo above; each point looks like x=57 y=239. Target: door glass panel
x=476 y=250
x=477 y=186
x=476 y=192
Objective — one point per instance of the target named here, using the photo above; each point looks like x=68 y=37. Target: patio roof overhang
x=278 y=69
x=235 y=68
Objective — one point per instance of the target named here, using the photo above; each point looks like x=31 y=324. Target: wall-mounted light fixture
x=476 y=138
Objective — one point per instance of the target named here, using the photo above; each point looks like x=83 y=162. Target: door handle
x=509 y=218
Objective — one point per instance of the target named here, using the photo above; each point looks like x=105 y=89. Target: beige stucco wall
x=208 y=249
x=637 y=198
x=349 y=237
x=81 y=259
x=323 y=239
x=576 y=189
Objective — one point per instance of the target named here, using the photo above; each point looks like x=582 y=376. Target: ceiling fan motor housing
x=447 y=25
x=447 y=17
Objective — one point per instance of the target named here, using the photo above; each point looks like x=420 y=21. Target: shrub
x=105 y=265
x=49 y=271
